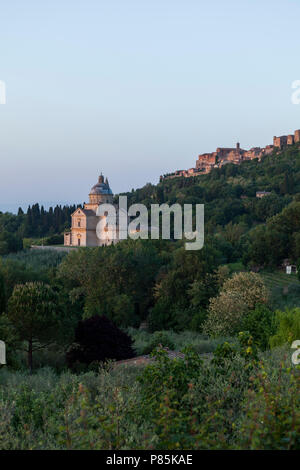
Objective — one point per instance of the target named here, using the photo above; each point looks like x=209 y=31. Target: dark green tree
x=34 y=313
x=2 y=294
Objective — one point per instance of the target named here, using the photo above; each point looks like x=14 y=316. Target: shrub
x=260 y=323
x=240 y=294
x=68 y=411
x=159 y=338
x=193 y=402
x=160 y=317
x=271 y=414
x=98 y=339
x=224 y=315
x=288 y=327
x=54 y=240
x=200 y=343
x=176 y=404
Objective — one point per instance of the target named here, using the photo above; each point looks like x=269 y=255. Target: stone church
x=85 y=220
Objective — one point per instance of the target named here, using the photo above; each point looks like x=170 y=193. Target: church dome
x=101 y=187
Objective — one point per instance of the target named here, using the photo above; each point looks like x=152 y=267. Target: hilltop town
x=222 y=156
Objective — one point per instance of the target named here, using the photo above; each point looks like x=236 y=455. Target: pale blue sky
x=137 y=88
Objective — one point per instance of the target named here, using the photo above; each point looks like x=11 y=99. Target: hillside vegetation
x=229 y=308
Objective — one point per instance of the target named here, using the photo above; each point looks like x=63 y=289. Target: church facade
x=85 y=220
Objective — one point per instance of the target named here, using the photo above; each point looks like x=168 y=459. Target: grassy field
x=279 y=279
x=284 y=289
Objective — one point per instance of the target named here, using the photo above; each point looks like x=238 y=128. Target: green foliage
x=161 y=316
x=260 y=323
x=277 y=240
x=176 y=374
x=121 y=310
x=200 y=343
x=116 y=281
x=37 y=260
x=245 y=347
x=182 y=400
x=56 y=239
x=239 y=295
x=159 y=338
x=183 y=289
x=166 y=386
x=34 y=314
x=9 y=242
x=2 y=294
x=234 y=216
x=29 y=266
x=288 y=327
x=36 y=223
x=126 y=281
x=170 y=404
x=271 y=413
x=260 y=231
x=231 y=397
x=87 y=411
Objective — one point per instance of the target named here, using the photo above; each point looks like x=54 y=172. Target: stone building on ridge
x=223 y=155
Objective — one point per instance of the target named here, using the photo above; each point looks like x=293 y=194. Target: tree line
x=36 y=223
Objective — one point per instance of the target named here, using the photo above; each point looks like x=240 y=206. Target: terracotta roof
x=88 y=212
x=84 y=211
